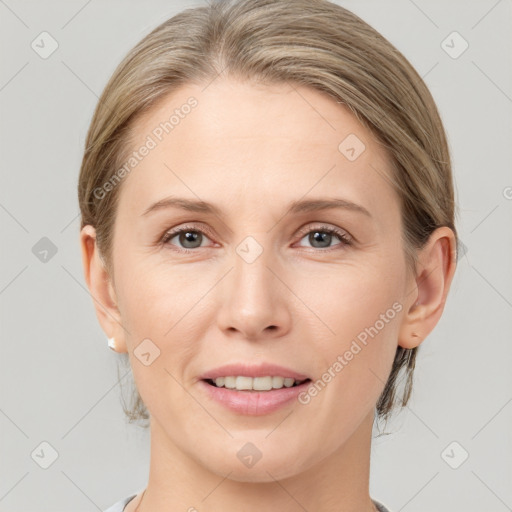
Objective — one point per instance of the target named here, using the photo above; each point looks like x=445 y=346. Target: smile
x=243 y=383
x=244 y=397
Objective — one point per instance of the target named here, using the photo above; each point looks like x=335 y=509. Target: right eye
x=189 y=237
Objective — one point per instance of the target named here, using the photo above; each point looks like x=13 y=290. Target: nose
x=254 y=302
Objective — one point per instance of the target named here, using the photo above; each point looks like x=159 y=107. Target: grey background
x=58 y=379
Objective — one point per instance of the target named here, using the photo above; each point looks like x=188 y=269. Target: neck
x=339 y=483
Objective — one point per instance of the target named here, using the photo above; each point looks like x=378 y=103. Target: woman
x=268 y=233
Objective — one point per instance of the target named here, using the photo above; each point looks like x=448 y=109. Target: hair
x=313 y=43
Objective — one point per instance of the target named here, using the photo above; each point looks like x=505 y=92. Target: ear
x=424 y=304
x=101 y=288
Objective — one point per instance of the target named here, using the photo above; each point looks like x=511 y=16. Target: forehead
x=231 y=140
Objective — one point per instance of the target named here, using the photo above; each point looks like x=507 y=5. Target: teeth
x=277 y=382
x=242 y=383
x=229 y=382
x=261 y=383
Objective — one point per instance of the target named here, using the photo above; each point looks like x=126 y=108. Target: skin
x=265 y=146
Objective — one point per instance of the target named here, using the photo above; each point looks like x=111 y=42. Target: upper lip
x=251 y=370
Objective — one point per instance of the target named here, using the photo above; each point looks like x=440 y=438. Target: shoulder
x=119 y=506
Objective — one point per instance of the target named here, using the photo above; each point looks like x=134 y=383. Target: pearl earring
x=112 y=343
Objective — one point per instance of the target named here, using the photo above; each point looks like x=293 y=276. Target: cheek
x=343 y=301
x=154 y=296
x=157 y=310
x=356 y=339
x=352 y=365
x=164 y=304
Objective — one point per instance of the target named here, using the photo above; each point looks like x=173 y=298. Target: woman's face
x=260 y=280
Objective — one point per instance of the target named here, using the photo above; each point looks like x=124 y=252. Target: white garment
x=120 y=505
x=380 y=506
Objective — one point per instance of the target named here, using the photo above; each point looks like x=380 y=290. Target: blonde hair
x=312 y=43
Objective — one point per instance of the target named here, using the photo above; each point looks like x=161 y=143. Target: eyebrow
x=299 y=206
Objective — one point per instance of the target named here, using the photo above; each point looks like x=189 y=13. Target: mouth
x=255 y=384
x=253 y=390
x=253 y=396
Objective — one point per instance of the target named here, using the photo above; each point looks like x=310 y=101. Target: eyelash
x=345 y=240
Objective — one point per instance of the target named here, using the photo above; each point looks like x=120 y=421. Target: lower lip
x=253 y=403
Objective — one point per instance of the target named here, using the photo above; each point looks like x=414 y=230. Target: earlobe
x=426 y=298
x=410 y=335
x=101 y=289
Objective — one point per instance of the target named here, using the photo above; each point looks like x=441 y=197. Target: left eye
x=324 y=236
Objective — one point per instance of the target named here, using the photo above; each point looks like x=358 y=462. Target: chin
x=251 y=465
x=260 y=474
